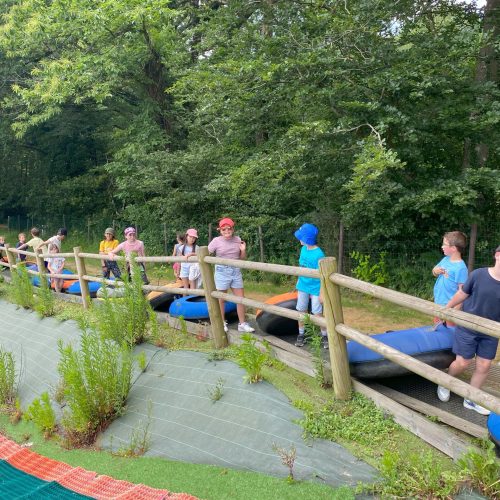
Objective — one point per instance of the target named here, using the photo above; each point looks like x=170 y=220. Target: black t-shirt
x=484 y=295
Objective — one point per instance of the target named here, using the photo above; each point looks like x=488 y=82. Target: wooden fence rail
x=338 y=332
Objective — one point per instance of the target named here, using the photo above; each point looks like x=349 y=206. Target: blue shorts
x=303 y=303
x=467 y=343
x=227 y=277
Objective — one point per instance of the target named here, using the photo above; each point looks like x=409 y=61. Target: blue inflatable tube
x=195 y=307
x=423 y=343
x=494 y=430
x=75 y=288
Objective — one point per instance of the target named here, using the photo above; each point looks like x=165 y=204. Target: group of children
x=477 y=293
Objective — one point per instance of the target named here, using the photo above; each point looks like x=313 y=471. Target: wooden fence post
x=332 y=310
x=214 y=311
x=81 y=270
x=10 y=258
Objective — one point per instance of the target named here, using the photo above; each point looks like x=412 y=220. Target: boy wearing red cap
x=309 y=288
x=229 y=246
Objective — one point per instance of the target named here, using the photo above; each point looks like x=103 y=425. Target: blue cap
x=307 y=233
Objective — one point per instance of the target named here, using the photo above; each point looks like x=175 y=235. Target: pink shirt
x=225 y=248
x=128 y=247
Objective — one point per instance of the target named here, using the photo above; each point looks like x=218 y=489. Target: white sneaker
x=226 y=329
x=245 y=327
x=473 y=406
x=443 y=394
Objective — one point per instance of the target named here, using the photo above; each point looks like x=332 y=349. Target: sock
x=301 y=331
x=323 y=333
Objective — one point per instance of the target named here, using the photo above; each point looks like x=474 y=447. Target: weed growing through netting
x=96 y=380
x=45 y=304
x=314 y=338
x=41 y=413
x=287 y=458
x=140 y=437
x=217 y=391
x=21 y=291
x=9 y=378
x=129 y=318
x=251 y=358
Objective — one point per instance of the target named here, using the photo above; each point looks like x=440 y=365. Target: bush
x=251 y=358
x=21 y=291
x=8 y=378
x=129 y=318
x=46 y=301
x=41 y=413
x=96 y=381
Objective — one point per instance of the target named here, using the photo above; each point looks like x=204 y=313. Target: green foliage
x=8 y=378
x=41 y=413
x=314 y=338
x=414 y=476
x=21 y=291
x=366 y=271
x=96 y=380
x=216 y=392
x=251 y=358
x=129 y=318
x=357 y=420
x=482 y=468
x=45 y=304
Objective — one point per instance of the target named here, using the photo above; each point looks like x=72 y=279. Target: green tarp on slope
x=237 y=431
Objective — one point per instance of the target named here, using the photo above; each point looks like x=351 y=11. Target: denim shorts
x=303 y=303
x=466 y=343
x=228 y=277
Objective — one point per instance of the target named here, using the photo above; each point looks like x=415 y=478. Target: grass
x=204 y=481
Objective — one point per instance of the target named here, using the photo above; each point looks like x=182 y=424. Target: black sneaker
x=324 y=341
x=301 y=340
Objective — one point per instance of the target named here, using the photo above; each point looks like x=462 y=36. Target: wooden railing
x=333 y=320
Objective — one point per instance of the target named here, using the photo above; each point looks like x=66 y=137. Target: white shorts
x=303 y=303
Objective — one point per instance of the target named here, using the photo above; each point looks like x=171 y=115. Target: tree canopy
x=272 y=112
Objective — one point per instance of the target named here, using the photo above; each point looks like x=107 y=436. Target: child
x=3 y=257
x=451 y=271
x=62 y=232
x=21 y=241
x=177 y=265
x=189 y=272
x=131 y=246
x=36 y=242
x=309 y=288
x=229 y=246
x=55 y=265
x=109 y=243
x=480 y=295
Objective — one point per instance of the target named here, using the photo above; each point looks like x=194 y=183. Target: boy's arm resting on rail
x=457 y=299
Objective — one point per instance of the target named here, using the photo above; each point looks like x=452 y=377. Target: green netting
x=237 y=431
x=16 y=484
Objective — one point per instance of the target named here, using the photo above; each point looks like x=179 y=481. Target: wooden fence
x=333 y=320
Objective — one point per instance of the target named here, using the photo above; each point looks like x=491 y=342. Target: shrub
x=8 y=378
x=129 y=318
x=41 y=413
x=96 y=382
x=46 y=302
x=251 y=358
x=366 y=271
x=21 y=291
x=314 y=337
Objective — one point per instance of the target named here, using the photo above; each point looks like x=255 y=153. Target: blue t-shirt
x=483 y=295
x=309 y=259
x=447 y=284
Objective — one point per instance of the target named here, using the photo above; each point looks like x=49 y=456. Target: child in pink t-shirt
x=131 y=246
x=229 y=246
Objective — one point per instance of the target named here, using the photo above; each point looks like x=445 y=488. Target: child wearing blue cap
x=309 y=288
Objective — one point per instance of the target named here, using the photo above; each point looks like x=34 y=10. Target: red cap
x=226 y=221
